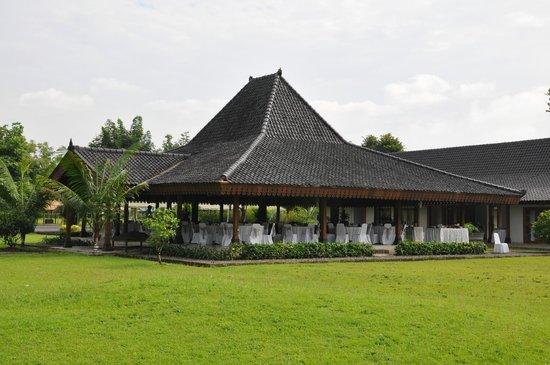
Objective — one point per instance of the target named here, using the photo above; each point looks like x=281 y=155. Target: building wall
x=516 y=223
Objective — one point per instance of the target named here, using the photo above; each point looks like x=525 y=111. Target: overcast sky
x=433 y=73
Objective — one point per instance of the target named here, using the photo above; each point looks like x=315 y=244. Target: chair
x=268 y=238
x=288 y=235
x=186 y=232
x=203 y=234
x=500 y=247
x=256 y=234
x=311 y=235
x=364 y=234
x=388 y=236
x=227 y=234
x=404 y=233
x=341 y=235
x=195 y=234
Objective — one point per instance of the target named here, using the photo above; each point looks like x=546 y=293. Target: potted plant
x=474 y=232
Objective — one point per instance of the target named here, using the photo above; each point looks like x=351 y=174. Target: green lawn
x=59 y=308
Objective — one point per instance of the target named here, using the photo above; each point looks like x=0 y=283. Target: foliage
x=385 y=143
x=541 y=226
x=271 y=251
x=163 y=225
x=74 y=228
x=301 y=215
x=13 y=145
x=548 y=103
x=472 y=228
x=169 y=143
x=9 y=228
x=409 y=248
x=98 y=191
x=22 y=200
x=115 y=135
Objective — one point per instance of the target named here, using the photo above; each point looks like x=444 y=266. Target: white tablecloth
x=353 y=233
x=415 y=234
x=447 y=235
x=300 y=232
x=244 y=232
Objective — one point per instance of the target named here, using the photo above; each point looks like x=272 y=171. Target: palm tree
x=21 y=200
x=98 y=191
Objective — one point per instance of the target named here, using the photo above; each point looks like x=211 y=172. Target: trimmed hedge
x=409 y=248
x=271 y=251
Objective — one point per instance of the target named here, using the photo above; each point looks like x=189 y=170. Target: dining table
x=443 y=234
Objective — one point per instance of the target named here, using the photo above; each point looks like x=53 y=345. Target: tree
x=548 y=103
x=13 y=146
x=168 y=143
x=163 y=225
x=541 y=226
x=22 y=200
x=385 y=143
x=98 y=191
x=115 y=135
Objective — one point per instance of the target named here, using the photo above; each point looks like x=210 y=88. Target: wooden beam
x=179 y=214
x=221 y=213
x=324 y=220
x=397 y=219
x=195 y=212
x=235 y=218
x=278 y=214
x=262 y=213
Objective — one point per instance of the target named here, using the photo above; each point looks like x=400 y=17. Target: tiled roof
x=268 y=134
x=141 y=166
x=522 y=165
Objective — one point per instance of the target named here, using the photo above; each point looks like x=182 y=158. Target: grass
x=32 y=239
x=59 y=308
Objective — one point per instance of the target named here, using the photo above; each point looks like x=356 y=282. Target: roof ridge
x=260 y=137
x=313 y=110
x=122 y=150
x=477 y=145
x=438 y=170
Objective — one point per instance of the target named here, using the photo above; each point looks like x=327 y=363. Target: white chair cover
x=330 y=227
x=341 y=235
x=256 y=234
x=388 y=236
x=364 y=236
x=313 y=237
x=288 y=235
x=500 y=247
x=186 y=232
x=203 y=234
x=227 y=234
x=268 y=238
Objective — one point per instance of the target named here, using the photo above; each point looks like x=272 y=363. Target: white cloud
x=522 y=19
x=476 y=89
x=110 y=84
x=420 y=90
x=53 y=98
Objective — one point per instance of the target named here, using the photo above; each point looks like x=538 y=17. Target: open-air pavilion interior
x=267 y=147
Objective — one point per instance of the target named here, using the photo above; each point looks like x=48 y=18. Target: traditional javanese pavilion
x=268 y=147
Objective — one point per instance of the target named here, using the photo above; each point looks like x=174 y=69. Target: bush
x=541 y=226
x=271 y=251
x=409 y=248
x=74 y=228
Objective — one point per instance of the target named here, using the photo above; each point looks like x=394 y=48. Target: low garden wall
x=409 y=248
x=271 y=251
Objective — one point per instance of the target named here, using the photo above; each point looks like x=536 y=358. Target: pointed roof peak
x=71 y=146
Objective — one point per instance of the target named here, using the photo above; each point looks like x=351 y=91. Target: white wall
x=369 y=215
x=516 y=224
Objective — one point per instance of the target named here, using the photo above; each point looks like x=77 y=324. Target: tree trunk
x=96 y=234
x=159 y=258
x=108 y=234
x=23 y=235
x=83 y=227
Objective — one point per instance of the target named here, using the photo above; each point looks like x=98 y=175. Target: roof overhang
x=250 y=190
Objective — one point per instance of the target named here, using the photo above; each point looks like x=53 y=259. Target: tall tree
x=13 y=146
x=115 y=135
x=548 y=103
x=385 y=143
x=169 y=144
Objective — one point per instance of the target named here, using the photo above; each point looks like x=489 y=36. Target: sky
x=433 y=73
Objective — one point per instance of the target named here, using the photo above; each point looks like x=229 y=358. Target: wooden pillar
x=376 y=215
x=179 y=214
x=507 y=223
x=126 y=217
x=324 y=220
x=157 y=205
x=69 y=214
x=278 y=214
x=397 y=219
x=486 y=229
x=235 y=218
x=169 y=204
x=416 y=222
x=262 y=213
x=455 y=219
x=195 y=212
x=429 y=216
x=463 y=215
x=221 y=213
x=491 y=221
x=334 y=215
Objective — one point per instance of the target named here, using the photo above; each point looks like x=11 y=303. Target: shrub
x=271 y=251
x=74 y=228
x=472 y=228
x=409 y=248
x=163 y=225
x=541 y=226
